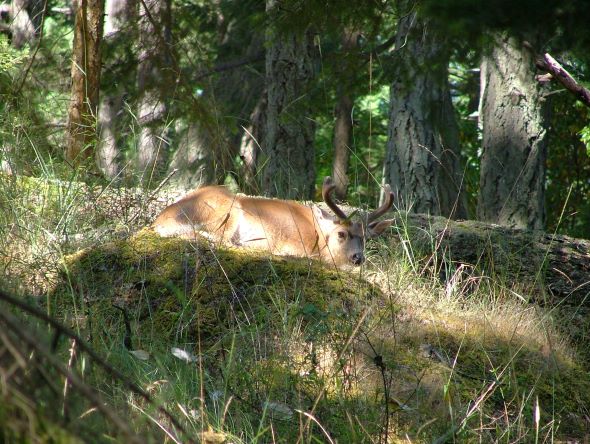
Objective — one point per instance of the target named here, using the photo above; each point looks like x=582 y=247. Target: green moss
x=266 y=323
x=180 y=288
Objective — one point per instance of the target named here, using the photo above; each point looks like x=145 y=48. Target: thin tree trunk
x=288 y=145
x=513 y=116
x=423 y=158
x=154 y=81
x=107 y=149
x=118 y=15
x=343 y=123
x=250 y=144
x=86 y=65
x=342 y=138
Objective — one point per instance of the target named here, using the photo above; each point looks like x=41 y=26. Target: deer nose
x=358 y=258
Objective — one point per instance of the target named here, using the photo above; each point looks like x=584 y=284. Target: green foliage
x=561 y=25
x=264 y=338
x=367 y=150
x=568 y=168
x=10 y=58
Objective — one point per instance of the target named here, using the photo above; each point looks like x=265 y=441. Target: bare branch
x=552 y=66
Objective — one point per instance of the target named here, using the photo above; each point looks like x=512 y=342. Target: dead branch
x=550 y=65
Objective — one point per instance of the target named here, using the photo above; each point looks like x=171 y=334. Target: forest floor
x=183 y=341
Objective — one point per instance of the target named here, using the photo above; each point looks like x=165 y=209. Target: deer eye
x=342 y=235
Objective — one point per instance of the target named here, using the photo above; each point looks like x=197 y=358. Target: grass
x=239 y=347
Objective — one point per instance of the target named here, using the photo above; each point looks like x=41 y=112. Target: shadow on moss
x=181 y=289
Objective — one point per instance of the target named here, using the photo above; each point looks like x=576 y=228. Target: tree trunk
x=86 y=65
x=422 y=162
x=118 y=14
x=21 y=25
x=342 y=138
x=193 y=163
x=154 y=81
x=288 y=146
x=513 y=117
x=107 y=149
x=343 y=123
x=250 y=144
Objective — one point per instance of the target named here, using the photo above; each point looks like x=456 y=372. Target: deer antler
x=387 y=203
x=327 y=189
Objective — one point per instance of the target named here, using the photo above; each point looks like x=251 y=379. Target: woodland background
x=452 y=331
x=449 y=101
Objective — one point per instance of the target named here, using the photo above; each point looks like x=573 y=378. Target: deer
x=281 y=227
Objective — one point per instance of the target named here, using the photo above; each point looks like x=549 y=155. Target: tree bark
x=154 y=81
x=289 y=140
x=118 y=15
x=422 y=162
x=342 y=138
x=513 y=116
x=343 y=123
x=107 y=149
x=250 y=145
x=86 y=66
x=193 y=163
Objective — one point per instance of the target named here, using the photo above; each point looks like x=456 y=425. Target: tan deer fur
x=282 y=227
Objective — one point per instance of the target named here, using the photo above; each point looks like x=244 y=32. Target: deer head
x=344 y=238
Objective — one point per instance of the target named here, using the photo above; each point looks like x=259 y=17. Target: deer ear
x=377 y=228
x=322 y=215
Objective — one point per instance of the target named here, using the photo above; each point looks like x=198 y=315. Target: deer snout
x=357 y=258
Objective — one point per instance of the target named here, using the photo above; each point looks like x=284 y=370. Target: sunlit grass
x=414 y=359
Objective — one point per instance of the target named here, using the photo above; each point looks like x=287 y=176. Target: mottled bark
x=154 y=82
x=193 y=162
x=423 y=158
x=118 y=15
x=86 y=66
x=289 y=140
x=107 y=149
x=513 y=117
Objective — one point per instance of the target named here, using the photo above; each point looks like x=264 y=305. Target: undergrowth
x=241 y=347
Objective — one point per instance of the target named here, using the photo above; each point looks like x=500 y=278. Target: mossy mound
x=186 y=289
x=276 y=334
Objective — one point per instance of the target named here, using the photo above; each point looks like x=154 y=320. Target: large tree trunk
x=118 y=15
x=86 y=65
x=289 y=139
x=423 y=158
x=154 y=82
x=513 y=116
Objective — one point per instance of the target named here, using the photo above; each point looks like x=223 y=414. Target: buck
x=282 y=227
